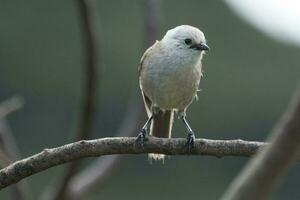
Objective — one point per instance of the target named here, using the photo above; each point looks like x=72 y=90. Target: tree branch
x=90 y=70
x=264 y=171
x=89 y=179
x=90 y=92
x=84 y=182
x=9 y=151
x=121 y=145
x=10 y=105
x=8 y=154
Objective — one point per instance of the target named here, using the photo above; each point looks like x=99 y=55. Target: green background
x=248 y=81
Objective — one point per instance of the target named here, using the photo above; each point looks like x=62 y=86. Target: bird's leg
x=142 y=134
x=191 y=136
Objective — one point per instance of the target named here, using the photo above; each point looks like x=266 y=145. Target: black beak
x=200 y=47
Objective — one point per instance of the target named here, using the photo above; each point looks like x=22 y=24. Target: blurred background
x=249 y=77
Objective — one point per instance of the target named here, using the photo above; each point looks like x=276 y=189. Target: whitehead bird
x=169 y=75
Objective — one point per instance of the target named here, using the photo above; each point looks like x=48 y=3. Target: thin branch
x=82 y=184
x=90 y=92
x=9 y=151
x=7 y=141
x=9 y=154
x=264 y=172
x=10 y=106
x=121 y=145
x=91 y=177
x=90 y=66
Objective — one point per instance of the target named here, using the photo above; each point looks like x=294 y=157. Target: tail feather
x=161 y=126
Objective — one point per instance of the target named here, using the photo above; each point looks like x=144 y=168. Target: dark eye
x=188 y=41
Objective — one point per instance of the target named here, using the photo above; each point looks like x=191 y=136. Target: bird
x=169 y=76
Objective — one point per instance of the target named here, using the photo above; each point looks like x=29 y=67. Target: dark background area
x=248 y=81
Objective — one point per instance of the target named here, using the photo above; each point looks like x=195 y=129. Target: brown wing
x=146 y=99
x=145 y=55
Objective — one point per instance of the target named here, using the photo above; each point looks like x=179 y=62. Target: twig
x=10 y=105
x=8 y=148
x=264 y=172
x=89 y=178
x=82 y=184
x=8 y=154
x=7 y=141
x=90 y=93
x=90 y=66
x=121 y=145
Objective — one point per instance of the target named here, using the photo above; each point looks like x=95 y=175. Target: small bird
x=169 y=76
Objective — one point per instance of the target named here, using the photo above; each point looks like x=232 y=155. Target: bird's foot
x=190 y=141
x=141 y=136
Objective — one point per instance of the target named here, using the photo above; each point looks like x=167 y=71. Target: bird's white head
x=186 y=39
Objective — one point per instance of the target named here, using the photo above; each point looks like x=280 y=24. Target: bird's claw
x=190 y=141
x=141 y=136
